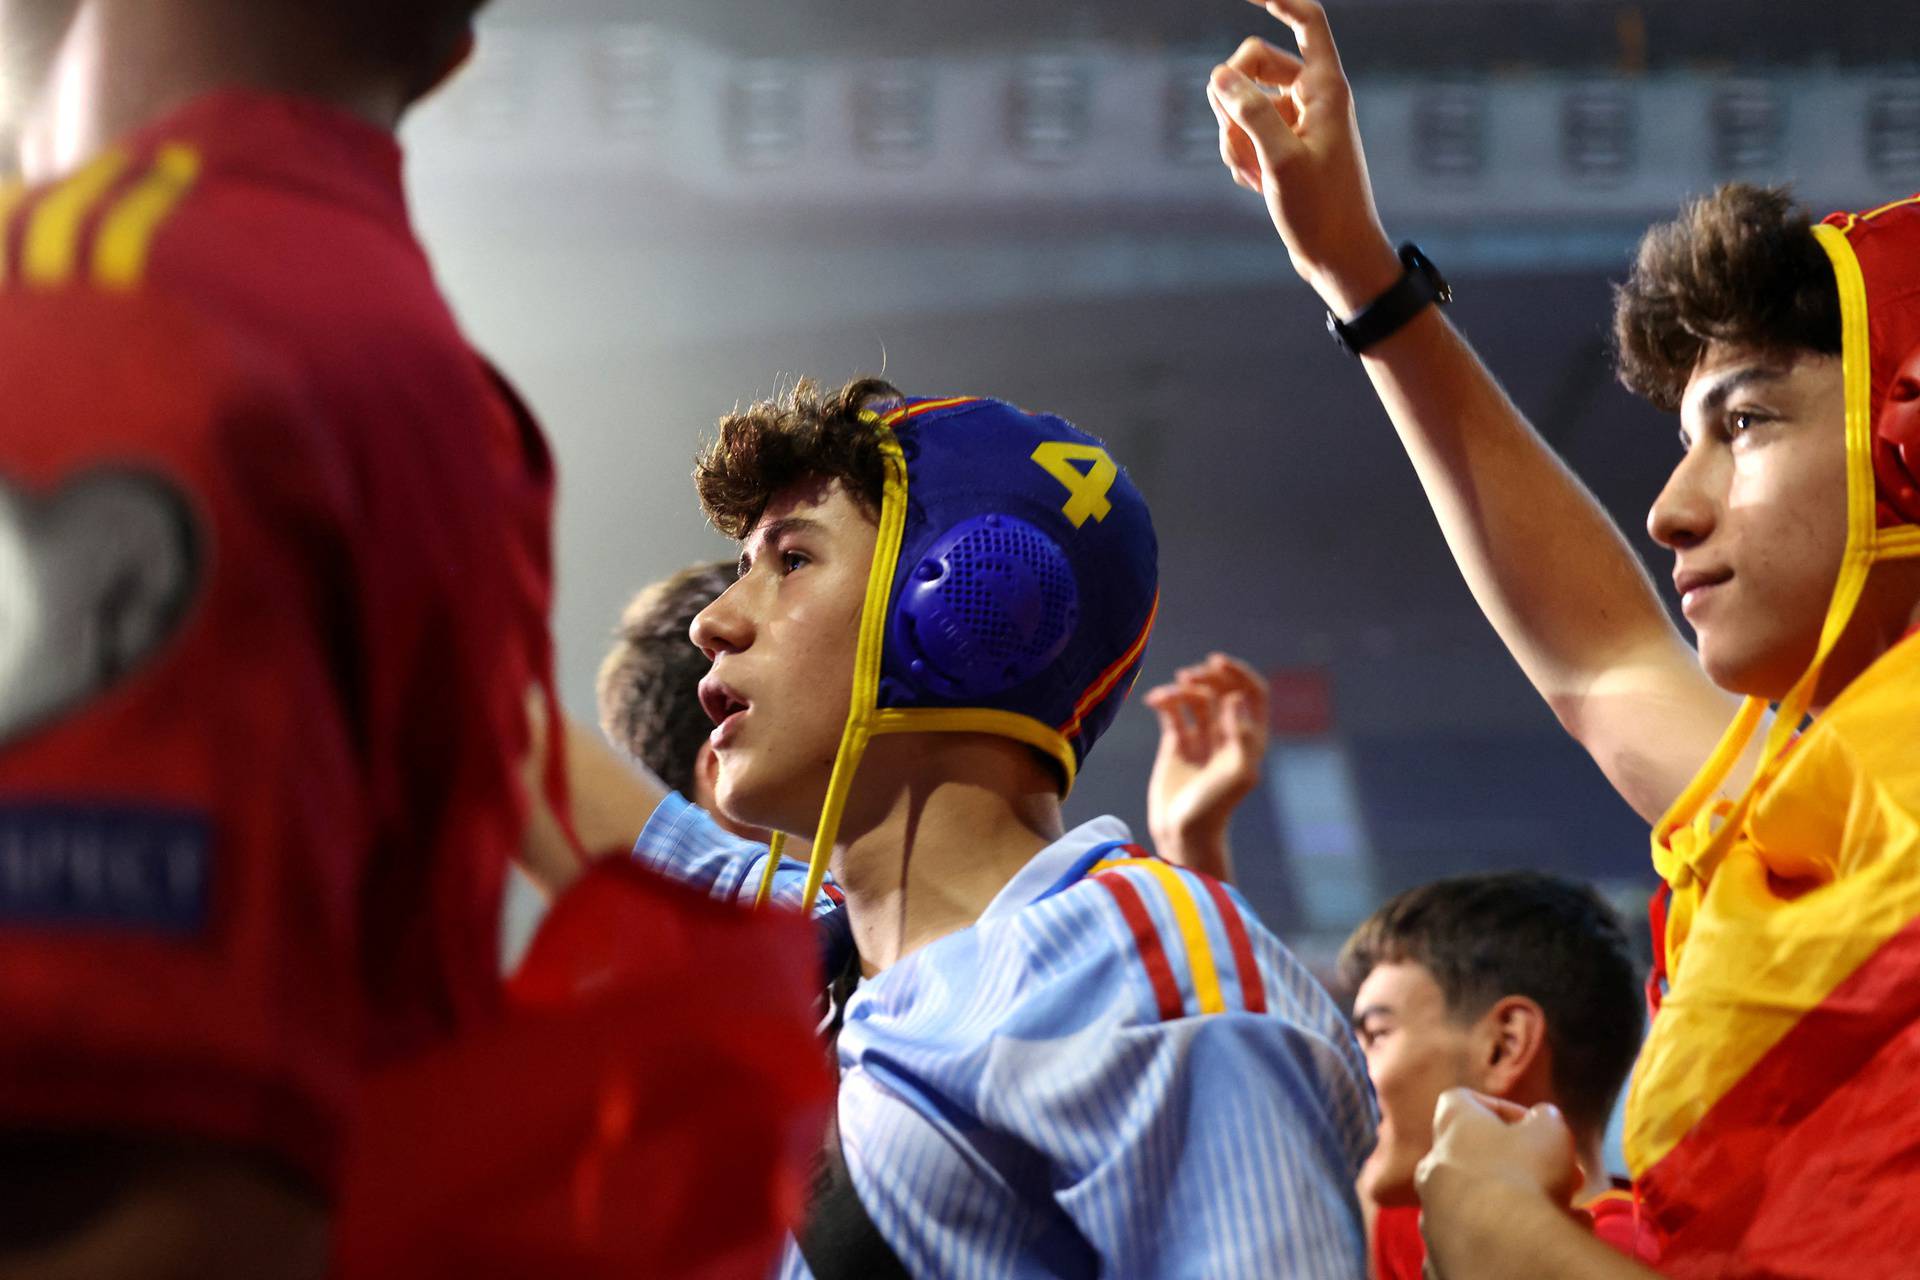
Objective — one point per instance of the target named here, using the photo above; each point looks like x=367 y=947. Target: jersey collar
x=1056 y=866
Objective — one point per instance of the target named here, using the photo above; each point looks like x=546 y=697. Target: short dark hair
x=1739 y=267
x=649 y=686
x=1486 y=937
x=417 y=38
x=802 y=434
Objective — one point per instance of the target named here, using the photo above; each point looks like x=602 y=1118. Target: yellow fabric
x=126 y=237
x=776 y=849
x=1002 y=724
x=53 y=232
x=866 y=663
x=1842 y=820
x=1746 y=954
x=1193 y=931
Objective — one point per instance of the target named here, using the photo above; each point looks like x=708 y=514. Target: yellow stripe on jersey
x=53 y=231
x=1193 y=931
x=126 y=238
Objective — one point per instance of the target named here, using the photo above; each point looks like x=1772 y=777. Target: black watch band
x=1420 y=285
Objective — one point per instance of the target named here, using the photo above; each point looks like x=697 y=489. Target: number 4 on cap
x=1086 y=490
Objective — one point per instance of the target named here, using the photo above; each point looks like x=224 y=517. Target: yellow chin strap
x=866 y=672
x=1698 y=830
x=866 y=719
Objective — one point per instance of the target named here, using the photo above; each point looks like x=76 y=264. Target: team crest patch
x=95 y=578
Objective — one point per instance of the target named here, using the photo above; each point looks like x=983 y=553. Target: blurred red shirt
x=274 y=579
x=1400 y=1251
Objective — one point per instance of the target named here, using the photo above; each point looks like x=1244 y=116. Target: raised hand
x=1213 y=740
x=1287 y=130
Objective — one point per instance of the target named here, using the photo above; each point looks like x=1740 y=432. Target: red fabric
x=1617 y=1220
x=1752 y=1189
x=1253 y=991
x=1657 y=967
x=1887 y=243
x=1146 y=940
x=1399 y=1250
x=344 y=702
x=648 y=1107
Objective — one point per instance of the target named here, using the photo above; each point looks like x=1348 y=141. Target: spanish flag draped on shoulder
x=1770 y=1126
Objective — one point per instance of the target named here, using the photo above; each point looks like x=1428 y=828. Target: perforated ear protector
x=989 y=605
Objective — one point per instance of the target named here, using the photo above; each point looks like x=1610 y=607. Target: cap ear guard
x=1897 y=469
x=990 y=605
x=1027 y=627
x=1896 y=445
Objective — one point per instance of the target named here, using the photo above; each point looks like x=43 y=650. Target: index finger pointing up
x=1308 y=21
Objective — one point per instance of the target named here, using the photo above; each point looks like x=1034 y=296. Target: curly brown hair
x=801 y=434
x=1739 y=267
x=649 y=685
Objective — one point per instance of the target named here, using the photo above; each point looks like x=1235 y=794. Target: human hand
x=1213 y=741
x=1287 y=130
x=1481 y=1142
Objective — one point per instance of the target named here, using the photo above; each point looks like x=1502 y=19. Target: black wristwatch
x=1420 y=285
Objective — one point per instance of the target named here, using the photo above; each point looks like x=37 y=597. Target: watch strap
x=1420 y=285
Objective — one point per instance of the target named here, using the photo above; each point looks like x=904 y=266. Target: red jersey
x=1400 y=1251
x=274 y=578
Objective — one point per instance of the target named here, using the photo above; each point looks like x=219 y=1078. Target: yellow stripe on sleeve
x=126 y=238
x=53 y=232
x=1193 y=931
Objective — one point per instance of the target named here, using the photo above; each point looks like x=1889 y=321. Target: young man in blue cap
x=1057 y=1054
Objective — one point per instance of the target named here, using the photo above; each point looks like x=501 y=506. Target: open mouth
x=721 y=704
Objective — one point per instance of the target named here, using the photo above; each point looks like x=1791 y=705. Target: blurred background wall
x=648 y=212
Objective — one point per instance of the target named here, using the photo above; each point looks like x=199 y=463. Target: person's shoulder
x=103 y=383
x=1185 y=944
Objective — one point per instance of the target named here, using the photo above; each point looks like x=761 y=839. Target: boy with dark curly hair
x=1768 y=1128
x=1058 y=1055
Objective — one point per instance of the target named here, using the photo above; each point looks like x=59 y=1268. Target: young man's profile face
x=782 y=640
x=1415 y=1051
x=1756 y=512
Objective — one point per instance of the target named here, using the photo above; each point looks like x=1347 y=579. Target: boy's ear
x=1510 y=1043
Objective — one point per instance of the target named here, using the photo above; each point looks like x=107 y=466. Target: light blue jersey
x=683 y=842
x=1117 y=1071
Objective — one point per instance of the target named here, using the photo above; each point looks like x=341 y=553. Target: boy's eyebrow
x=773 y=531
x=1361 y=1015
x=1718 y=394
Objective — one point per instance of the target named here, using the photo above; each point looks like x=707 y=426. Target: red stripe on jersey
x=1166 y=992
x=1103 y=685
x=1253 y=992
